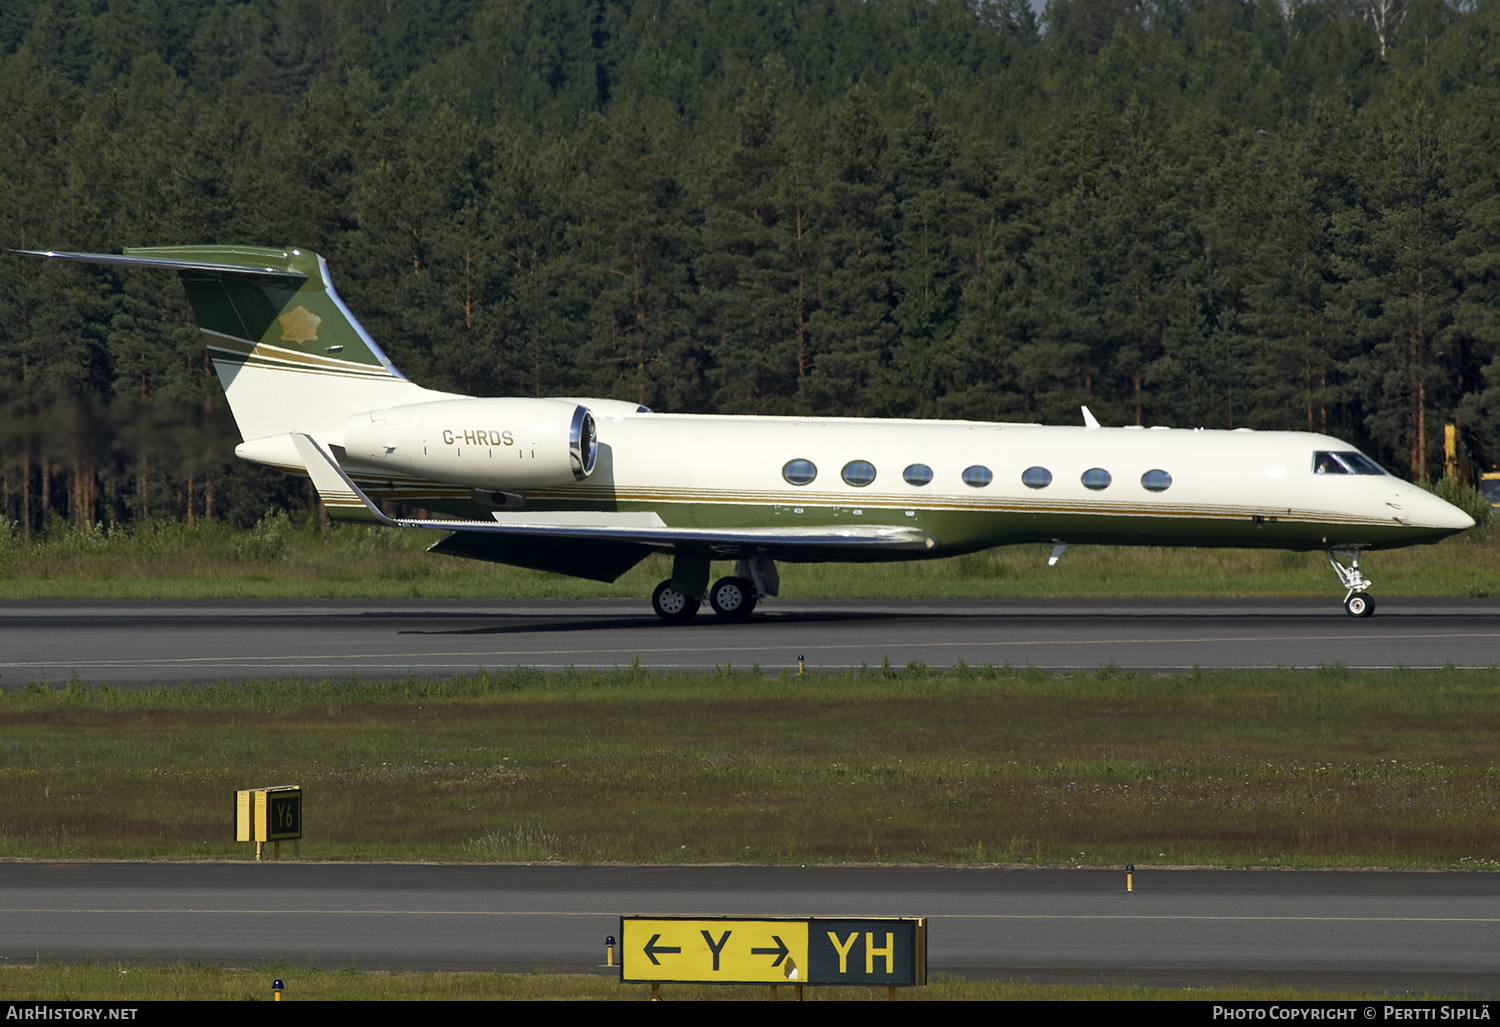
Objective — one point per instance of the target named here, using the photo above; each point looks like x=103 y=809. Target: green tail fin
x=290 y=355
x=258 y=303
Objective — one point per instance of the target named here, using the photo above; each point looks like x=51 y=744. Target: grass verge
x=280 y=560
x=968 y=765
x=203 y=983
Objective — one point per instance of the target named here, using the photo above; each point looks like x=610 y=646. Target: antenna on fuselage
x=1089 y=420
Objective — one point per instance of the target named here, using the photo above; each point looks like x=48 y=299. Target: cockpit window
x=1361 y=463
x=1344 y=462
x=1327 y=463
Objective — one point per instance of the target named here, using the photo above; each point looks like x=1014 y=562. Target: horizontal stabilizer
x=255 y=261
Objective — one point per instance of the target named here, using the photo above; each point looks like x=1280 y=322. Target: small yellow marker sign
x=268 y=815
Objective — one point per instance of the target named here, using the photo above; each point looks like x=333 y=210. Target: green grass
x=125 y=984
x=967 y=766
x=279 y=560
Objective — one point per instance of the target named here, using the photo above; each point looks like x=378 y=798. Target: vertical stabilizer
x=297 y=317
x=290 y=355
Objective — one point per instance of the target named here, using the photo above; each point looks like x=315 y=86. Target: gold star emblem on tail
x=300 y=325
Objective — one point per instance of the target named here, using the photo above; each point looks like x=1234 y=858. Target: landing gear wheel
x=673 y=606
x=1357 y=601
x=732 y=598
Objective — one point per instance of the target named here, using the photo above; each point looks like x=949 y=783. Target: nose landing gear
x=1357 y=601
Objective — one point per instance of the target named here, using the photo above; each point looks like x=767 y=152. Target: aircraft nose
x=1439 y=513
x=1461 y=520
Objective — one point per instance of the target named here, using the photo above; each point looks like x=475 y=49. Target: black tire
x=1360 y=604
x=673 y=606
x=732 y=598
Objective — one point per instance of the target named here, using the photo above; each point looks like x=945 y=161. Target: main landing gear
x=1357 y=601
x=672 y=605
x=732 y=598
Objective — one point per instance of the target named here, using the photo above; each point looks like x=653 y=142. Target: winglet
x=344 y=500
x=1089 y=420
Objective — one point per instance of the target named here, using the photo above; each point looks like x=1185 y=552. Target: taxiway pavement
x=139 y=642
x=1365 y=931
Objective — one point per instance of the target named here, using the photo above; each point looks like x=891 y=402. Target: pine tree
x=853 y=328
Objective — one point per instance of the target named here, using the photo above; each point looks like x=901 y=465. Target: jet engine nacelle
x=485 y=443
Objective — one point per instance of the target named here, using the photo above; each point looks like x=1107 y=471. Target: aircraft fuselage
x=969 y=489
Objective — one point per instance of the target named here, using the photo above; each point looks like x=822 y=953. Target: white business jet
x=589 y=487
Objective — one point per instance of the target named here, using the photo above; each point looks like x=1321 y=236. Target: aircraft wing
x=603 y=551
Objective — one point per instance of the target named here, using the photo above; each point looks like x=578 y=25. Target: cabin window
x=977 y=477
x=918 y=475
x=1096 y=478
x=1036 y=477
x=858 y=473
x=799 y=472
x=1156 y=481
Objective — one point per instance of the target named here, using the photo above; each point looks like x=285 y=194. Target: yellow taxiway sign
x=805 y=950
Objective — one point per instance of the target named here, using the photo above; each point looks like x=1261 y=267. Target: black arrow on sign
x=780 y=953
x=652 y=949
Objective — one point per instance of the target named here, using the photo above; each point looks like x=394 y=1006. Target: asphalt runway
x=1366 y=931
x=145 y=641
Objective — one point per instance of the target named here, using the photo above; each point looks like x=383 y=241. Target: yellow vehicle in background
x=1489 y=485
x=1456 y=464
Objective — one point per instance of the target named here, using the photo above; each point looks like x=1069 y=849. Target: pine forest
x=1195 y=213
